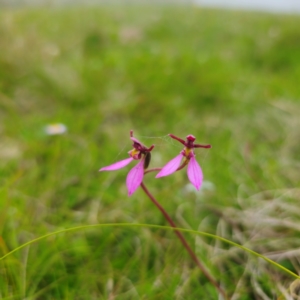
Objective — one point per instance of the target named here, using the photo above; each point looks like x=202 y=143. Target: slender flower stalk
x=184 y=242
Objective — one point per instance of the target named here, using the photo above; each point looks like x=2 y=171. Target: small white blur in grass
x=206 y=186
x=55 y=129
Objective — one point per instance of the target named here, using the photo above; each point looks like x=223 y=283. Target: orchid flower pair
x=142 y=153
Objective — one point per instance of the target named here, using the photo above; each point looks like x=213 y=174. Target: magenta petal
x=194 y=173
x=170 y=167
x=118 y=165
x=135 y=177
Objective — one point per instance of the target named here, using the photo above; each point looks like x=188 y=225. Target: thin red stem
x=184 y=242
x=152 y=170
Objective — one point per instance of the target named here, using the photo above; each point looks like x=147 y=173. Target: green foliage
x=229 y=78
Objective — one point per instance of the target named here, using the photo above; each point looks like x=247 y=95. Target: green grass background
x=230 y=78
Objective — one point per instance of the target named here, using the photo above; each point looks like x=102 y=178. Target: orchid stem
x=184 y=242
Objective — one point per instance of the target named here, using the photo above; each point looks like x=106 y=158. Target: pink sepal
x=170 y=167
x=135 y=177
x=194 y=173
x=118 y=165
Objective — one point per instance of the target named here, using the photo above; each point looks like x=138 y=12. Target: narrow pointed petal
x=170 y=167
x=194 y=173
x=135 y=177
x=118 y=165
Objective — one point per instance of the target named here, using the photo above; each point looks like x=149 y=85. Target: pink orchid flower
x=136 y=174
x=194 y=171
